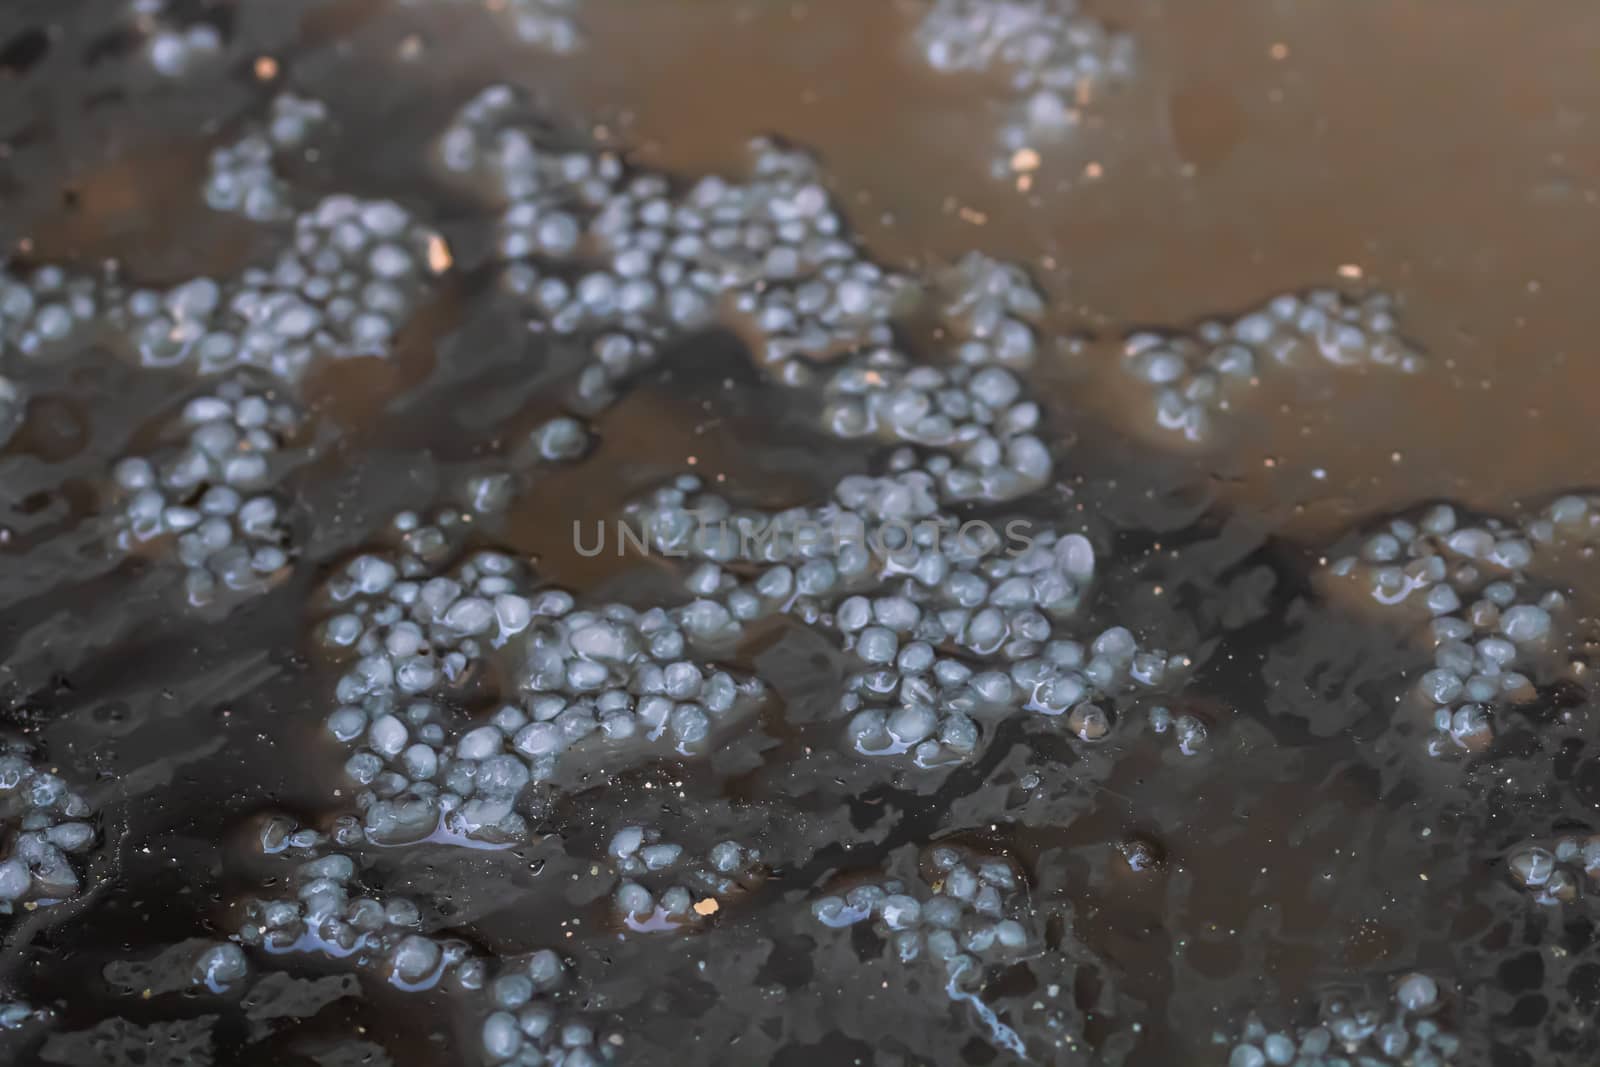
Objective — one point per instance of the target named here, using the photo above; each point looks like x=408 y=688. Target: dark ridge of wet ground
x=1310 y=844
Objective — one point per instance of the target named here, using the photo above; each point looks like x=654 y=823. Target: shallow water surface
x=1179 y=779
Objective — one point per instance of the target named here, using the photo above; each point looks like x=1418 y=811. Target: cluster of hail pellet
x=329 y=915
x=874 y=528
x=973 y=415
x=630 y=259
x=929 y=705
x=212 y=492
x=1567 y=521
x=664 y=888
x=515 y=997
x=522 y=1022
x=625 y=675
x=1352 y=1033
x=353 y=276
x=1552 y=874
x=492 y=140
x=973 y=911
x=1053 y=57
x=981 y=418
x=549 y=25
x=527 y=1026
x=915 y=596
x=770 y=253
x=39 y=311
x=174 y=49
x=991 y=310
x=45 y=822
x=351 y=279
x=549 y=198
x=241 y=178
x=582 y=678
x=414 y=630
x=45 y=307
x=1194 y=376
x=280 y=835
x=1486 y=620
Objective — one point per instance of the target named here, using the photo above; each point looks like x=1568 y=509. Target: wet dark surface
x=1447 y=150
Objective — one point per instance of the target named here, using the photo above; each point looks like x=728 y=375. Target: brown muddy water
x=1308 y=847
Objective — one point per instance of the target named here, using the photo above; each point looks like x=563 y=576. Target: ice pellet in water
x=220 y=967
x=1416 y=992
x=1525 y=623
x=561 y=439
